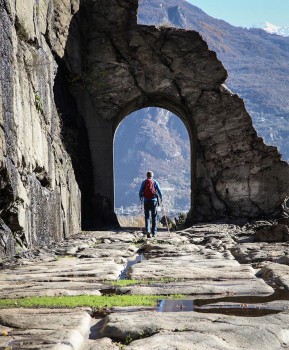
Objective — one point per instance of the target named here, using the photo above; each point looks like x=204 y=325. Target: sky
x=247 y=13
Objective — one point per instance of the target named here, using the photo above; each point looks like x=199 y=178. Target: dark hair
x=150 y=174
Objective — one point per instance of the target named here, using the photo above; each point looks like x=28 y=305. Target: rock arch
x=118 y=66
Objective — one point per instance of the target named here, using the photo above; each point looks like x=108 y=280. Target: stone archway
x=119 y=66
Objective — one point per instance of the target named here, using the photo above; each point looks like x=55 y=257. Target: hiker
x=150 y=193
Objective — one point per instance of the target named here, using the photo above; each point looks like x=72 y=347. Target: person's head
x=150 y=174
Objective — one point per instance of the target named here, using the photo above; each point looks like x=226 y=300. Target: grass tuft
x=85 y=300
x=127 y=282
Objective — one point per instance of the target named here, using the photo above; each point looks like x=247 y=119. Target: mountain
x=258 y=67
x=152 y=139
x=272 y=29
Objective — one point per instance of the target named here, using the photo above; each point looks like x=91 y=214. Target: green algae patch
x=126 y=282
x=86 y=300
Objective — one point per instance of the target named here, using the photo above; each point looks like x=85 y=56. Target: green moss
x=125 y=283
x=85 y=300
x=38 y=103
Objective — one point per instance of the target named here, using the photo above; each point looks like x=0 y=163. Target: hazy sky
x=246 y=13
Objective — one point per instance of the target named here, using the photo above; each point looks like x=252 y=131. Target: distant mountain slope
x=152 y=139
x=257 y=63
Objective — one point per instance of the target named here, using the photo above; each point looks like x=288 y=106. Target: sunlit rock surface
x=220 y=294
x=39 y=196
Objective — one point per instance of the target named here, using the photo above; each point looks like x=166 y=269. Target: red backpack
x=149 y=189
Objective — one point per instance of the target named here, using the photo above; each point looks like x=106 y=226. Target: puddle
x=137 y=259
x=175 y=305
x=239 y=310
x=244 y=306
x=279 y=294
x=248 y=306
x=233 y=310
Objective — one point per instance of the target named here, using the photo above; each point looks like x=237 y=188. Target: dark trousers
x=151 y=207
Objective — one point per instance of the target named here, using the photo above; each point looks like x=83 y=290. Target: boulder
x=272 y=233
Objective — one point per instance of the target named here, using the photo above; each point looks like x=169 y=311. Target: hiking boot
x=148 y=235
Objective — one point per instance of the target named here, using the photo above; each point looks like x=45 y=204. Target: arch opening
x=156 y=139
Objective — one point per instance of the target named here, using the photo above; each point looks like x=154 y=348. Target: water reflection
x=249 y=306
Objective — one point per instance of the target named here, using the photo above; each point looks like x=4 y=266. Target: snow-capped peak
x=270 y=28
x=273 y=29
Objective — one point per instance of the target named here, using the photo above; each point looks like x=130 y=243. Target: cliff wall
x=39 y=194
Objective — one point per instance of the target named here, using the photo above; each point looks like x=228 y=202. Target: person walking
x=150 y=193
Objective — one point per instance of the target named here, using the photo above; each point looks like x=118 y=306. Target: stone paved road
x=196 y=262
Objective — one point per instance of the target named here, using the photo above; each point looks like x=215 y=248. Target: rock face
x=39 y=195
x=124 y=67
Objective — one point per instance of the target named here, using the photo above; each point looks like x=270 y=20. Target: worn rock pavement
x=233 y=306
